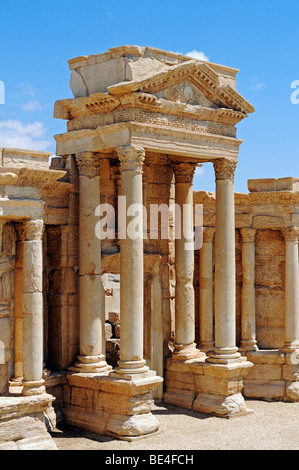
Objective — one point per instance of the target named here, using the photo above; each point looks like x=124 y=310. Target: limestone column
x=91 y=294
x=18 y=333
x=291 y=290
x=131 y=266
x=33 y=382
x=206 y=320
x=185 y=347
x=248 y=331
x=225 y=349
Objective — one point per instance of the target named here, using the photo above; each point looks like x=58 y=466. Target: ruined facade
x=93 y=329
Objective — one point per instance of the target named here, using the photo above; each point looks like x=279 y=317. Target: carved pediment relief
x=185 y=92
x=200 y=75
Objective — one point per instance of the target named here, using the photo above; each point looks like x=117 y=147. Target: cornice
x=200 y=74
x=100 y=104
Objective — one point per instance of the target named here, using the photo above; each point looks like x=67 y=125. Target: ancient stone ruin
x=93 y=328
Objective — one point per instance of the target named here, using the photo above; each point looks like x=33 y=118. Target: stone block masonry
x=93 y=330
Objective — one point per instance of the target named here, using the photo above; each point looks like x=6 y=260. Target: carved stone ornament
x=291 y=234
x=225 y=169
x=131 y=158
x=208 y=234
x=248 y=234
x=184 y=172
x=88 y=164
x=30 y=230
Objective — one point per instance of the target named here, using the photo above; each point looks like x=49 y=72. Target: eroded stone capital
x=291 y=234
x=208 y=234
x=30 y=230
x=184 y=172
x=131 y=158
x=248 y=234
x=88 y=164
x=225 y=169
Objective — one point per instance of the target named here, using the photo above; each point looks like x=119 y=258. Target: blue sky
x=261 y=38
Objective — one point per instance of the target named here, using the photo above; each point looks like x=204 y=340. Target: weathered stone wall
x=269 y=287
x=61 y=264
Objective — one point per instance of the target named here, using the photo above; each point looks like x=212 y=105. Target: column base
x=129 y=370
x=91 y=364
x=249 y=345
x=290 y=347
x=224 y=356
x=16 y=382
x=185 y=352
x=110 y=405
x=33 y=387
x=206 y=346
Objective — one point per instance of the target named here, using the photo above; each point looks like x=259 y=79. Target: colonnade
x=221 y=346
x=248 y=297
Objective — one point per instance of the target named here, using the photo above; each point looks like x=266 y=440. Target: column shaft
x=206 y=321
x=131 y=265
x=33 y=308
x=91 y=294
x=291 y=290
x=248 y=333
x=225 y=283
x=19 y=307
x=185 y=346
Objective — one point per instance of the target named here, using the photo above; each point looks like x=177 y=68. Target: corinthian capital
x=291 y=234
x=131 y=158
x=88 y=164
x=30 y=230
x=184 y=172
x=248 y=234
x=225 y=169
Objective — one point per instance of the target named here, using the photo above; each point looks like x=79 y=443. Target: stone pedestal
x=111 y=406
x=220 y=389
x=22 y=423
x=208 y=388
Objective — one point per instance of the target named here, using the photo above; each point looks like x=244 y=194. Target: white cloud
x=198 y=55
x=28 y=89
x=31 y=105
x=257 y=84
x=16 y=134
x=199 y=171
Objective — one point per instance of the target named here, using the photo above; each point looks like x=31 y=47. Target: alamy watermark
x=2 y=93
x=295 y=93
x=160 y=222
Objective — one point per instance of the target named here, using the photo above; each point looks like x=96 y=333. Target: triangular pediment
x=206 y=83
x=186 y=92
